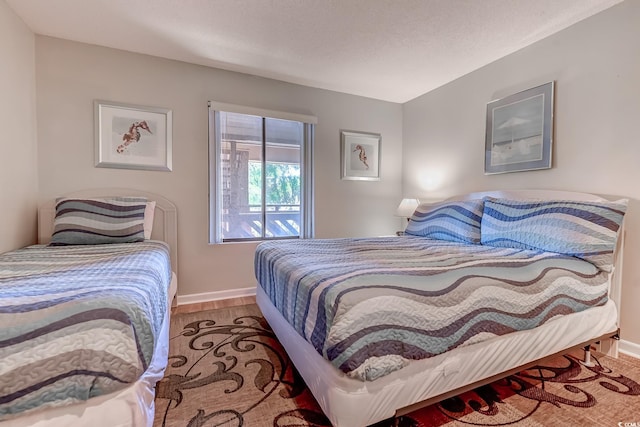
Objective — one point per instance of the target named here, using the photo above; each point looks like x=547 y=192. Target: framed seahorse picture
x=360 y=155
x=132 y=136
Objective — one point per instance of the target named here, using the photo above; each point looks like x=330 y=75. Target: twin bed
x=487 y=284
x=84 y=332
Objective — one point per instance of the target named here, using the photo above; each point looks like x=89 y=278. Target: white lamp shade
x=407 y=207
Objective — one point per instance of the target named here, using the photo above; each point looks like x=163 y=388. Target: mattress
x=349 y=402
x=370 y=306
x=118 y=293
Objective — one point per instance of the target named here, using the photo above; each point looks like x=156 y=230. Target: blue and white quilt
x=78 y=321
x=369 y=306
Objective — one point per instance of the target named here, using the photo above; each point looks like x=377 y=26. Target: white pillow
x=149 y=211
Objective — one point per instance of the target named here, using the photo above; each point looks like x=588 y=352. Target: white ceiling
x=393 y=50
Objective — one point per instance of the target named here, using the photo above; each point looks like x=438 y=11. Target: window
x=260 y=172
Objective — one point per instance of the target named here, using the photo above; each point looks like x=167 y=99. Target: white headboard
x=532 y=194
x=165 y=220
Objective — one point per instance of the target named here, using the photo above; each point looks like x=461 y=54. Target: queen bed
x=486 y=284
x=103 y=308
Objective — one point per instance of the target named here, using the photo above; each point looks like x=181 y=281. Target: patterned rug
x=227 y=369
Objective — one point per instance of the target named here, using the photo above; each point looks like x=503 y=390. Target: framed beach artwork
x=132 y=136
x=360 y=155
x=519 y=131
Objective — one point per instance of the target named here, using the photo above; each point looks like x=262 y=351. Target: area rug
x=226 y=368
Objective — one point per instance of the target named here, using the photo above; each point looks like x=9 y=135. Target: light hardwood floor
x=212 y=305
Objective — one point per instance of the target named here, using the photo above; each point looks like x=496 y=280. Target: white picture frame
x=132 y=136
x=360 y=156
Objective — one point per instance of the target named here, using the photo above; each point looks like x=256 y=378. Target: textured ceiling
x=393 y=50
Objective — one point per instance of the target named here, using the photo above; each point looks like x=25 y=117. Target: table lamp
x=405 y=210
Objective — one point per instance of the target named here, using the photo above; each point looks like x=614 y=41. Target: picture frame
x=360 y=155
x=519 y=133
x=132 y=136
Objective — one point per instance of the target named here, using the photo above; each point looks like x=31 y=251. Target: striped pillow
x=455 y=221
x=99 y=221
x=586 y=230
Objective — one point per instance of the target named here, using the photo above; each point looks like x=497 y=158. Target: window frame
x=215 y=173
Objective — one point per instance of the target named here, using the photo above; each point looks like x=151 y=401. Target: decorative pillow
x=455 y=221
x=98 y=221
x=586 y=230
x=149 y=213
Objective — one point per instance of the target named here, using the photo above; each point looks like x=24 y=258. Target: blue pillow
x=99 y=221
x=454 y=221
x=586 y=230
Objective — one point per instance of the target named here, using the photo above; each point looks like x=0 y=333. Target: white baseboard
x=630 y=349
x=217 y=295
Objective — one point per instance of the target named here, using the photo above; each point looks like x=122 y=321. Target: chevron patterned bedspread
x=78 y=321
x=371 y=305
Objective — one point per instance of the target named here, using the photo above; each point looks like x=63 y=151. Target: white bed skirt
x=353 y=403
x=130 y=407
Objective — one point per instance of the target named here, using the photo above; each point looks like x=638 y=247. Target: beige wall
x=18 y=161
x=596 y=66
x=71 y=75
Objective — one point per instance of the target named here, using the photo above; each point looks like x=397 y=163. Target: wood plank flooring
x=212 y=305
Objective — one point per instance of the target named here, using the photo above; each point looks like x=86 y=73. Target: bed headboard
x=532 y=194
x=165 y=221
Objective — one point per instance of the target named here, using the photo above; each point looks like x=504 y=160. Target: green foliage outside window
x=282 y=183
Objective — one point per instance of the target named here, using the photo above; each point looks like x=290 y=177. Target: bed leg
x=587 y=357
